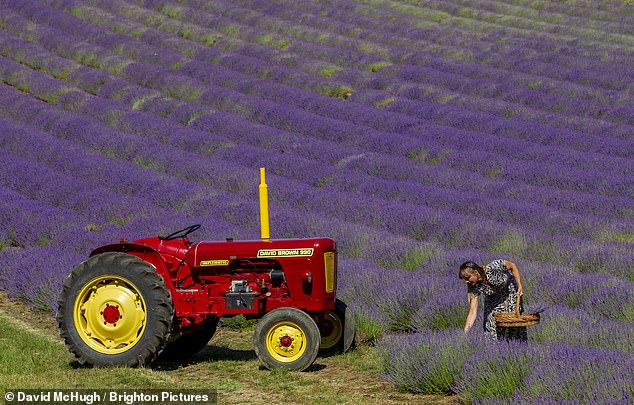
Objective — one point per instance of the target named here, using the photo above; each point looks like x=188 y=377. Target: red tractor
x=130 y=302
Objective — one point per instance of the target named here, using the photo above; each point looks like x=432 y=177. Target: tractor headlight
x=329 y=264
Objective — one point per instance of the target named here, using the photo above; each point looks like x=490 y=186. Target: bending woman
x=500 y=283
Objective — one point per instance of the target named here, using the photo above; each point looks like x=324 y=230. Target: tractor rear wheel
x=114 y=310
x=188 y=344
x=337 y=329
x=287 y=337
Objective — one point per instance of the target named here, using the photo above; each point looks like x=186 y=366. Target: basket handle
x=517 y=306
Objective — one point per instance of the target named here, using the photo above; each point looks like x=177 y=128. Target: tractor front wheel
x=287 y=337
x=114 y=310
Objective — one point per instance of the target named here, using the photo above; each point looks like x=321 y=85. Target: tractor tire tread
x=162 y=307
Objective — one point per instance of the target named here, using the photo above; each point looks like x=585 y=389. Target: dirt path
x=229 y=364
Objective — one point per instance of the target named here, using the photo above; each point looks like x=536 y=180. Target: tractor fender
x=146 y=254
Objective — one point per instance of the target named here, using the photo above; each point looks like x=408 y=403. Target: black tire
x=188 y=344
x=347 y=330
x=146 y=311
x=298 y=337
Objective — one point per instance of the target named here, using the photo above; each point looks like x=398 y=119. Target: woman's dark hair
x=468 y=267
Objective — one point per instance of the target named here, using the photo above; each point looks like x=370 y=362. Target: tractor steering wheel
x=183 y=232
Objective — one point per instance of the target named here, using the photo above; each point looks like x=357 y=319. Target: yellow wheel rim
x=110 y=314
x=331 y=330
x=286 y=342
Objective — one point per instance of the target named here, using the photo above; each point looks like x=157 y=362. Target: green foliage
x=138 y=103
x=342 y=92
x=171 y=10
x=384 y=102
x=422 y=155
x=195 y=115
x=368 y=329
x=535 y=85
x=238 y=322
x=511 y=113
x=328 y=70
x=121 y=220
x=417 y=256
x=376 y=66
x=512 y=243
x=273 y=41
x=323 y=182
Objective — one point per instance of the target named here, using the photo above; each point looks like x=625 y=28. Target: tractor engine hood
x=221 y=254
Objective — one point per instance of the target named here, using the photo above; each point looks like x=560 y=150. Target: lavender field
x=418 y=135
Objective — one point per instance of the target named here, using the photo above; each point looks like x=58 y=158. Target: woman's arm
x=473 y=312
x=516 y=273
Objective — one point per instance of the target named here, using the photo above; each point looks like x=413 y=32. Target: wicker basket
x=515 y=319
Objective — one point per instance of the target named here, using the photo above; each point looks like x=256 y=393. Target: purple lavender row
x=585 y=26
x=22 y=276
x=490 y=20
x=552 y=20
x=572 y=122
x=530 y=92
x=613 y=12
x=522 y=99
x=442 y=362
x=408 y=97
x=254 y=67
x=195 y=16
x=586 y=328
x=386 y=38
x=199 y=42
x=474 y=28
x=393 y=53
x=455 y=118
x=100 y=208
x=228 y=26
x=144 y=75
x=558 y=103
x=398 y=35
x=533 y=79
x=444 y=198
x=280 y=60
x=26 y=222
x=423 y=193
x=496 y=73
x=435 y=304
x=585 y=14
x=401 y=220
x=549 y=373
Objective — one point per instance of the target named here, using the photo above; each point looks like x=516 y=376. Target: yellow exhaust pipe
x=264 y=207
